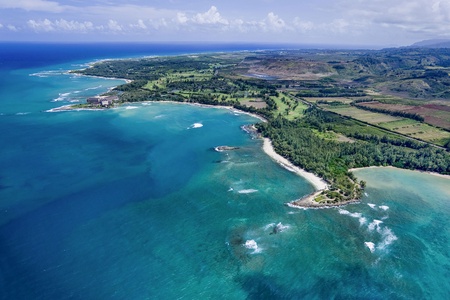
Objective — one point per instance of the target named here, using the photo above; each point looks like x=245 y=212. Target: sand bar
x=318 y=183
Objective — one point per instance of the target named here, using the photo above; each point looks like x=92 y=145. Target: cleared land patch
x=360 y=114
x=434 y=114
x=418 y=130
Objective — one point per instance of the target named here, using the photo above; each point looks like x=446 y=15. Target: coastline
x=307 y=202
x=392 y=167
x=318 y=183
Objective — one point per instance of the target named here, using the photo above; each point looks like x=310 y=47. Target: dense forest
x=331 y=159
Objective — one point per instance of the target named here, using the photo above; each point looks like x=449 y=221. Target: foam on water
x=252 y=245
x=371 y=205
x=247 y=191
x=61 y=97
x=370 y=245
x=374 y=224
x=276 y=228
x=131 y=107
x=195 y=125
x=94 y=88
x=384 y=207
x=388 y=237
x=362 y=220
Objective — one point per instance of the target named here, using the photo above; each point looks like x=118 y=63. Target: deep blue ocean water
x=134 y=203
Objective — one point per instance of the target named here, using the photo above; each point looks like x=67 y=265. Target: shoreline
x=392 y=167
x=307 y=202
x=318 y=183
x=70 y=107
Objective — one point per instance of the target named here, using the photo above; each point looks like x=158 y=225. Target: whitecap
x=196 y=125
x=365 y=194
x=375 y=224
x=357 y=215
x=388 y=237
x=384 y=207
x=268 y=226
x=280 y=227
x=61 y=97
x=247 y=191
x=370 y=245
x=22 y=113
x=93 y=88
x=131 y=107
x=252 y=245
x=230 y=189
x=47 y=73
x=371 y=205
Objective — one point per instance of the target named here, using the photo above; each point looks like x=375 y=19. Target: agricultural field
x=405 y=126
x=434 y=114
x=343 y=100
x=418 y=130
x=360 y=114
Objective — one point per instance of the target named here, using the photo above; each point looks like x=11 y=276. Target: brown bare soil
x=434 y=114
x=289 y=70
x=255 y=103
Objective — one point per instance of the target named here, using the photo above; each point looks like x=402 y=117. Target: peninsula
x=326 y=112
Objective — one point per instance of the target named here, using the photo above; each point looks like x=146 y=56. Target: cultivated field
x=360 y=114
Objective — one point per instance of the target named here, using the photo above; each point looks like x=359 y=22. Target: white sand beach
x=318 y=183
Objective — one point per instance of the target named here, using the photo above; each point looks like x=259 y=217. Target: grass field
x=418 y=130
x=288 y=107
x=362 y=115
x=343 y=100
x=408 y=127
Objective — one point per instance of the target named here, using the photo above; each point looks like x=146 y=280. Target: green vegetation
x=316 y=104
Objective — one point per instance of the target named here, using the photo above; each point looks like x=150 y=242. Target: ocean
x=134 y=203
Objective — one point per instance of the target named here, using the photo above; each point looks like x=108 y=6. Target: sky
x=382 y=23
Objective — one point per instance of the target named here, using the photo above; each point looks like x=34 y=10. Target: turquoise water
x=134 y=203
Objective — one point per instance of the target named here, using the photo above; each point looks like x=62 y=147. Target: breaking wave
x=358 y=216
x=370 y=245
x=195 y=125
x=252 y=245
x=247 y=191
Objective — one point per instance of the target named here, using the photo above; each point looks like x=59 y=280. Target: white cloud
x=303 y=26
x=44 y=25
x=33 y=5
x=212 y=16
x=339 y=25
x=1 y=25
x=60 y=25
x=114 y=25
x=140 y=25
x=427 y=16
x=182 y=18
x=12 y=28
x=274 y=22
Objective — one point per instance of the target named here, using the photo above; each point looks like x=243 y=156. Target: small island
x=323 y=112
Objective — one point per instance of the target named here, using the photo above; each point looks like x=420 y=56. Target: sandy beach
x=318 y=183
